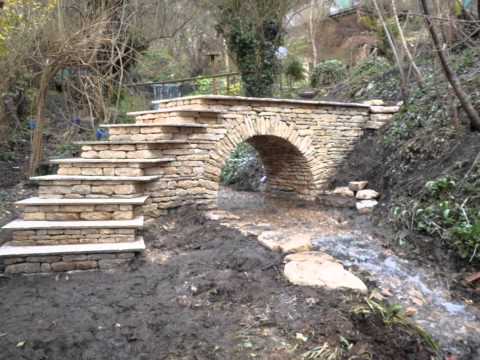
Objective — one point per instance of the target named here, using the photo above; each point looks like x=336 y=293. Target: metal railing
x=220 y=84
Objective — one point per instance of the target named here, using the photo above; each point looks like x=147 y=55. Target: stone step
x=111 y=161
x=74 y=179
x=180 y=125
x=109 y=167
x=7 y=251
x=193 y=111
x=36 y=201
x=112 y=142
x=70 y=210
x=136 y=223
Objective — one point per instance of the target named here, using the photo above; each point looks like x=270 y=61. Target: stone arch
x=287 y=155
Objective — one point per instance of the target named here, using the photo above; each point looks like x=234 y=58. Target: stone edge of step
x=131 y=142
x=47 y=250
x=95 y=178
x=110 y=161
x=19 y=224
x=37 y=201
x=173 y=111
x=185 y=125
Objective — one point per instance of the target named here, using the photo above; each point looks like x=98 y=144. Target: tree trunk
x=37 y=141
x=391 y=41
x=449 y=73
x=313 y=32
x=416 y=71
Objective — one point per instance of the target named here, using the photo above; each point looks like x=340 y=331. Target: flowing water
x=454 y=324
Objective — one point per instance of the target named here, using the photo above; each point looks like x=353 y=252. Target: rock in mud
x=366 y=206
x=220 y=215
x=367 y=195
x=336 y=201
x=357 y=185
x=344 y=191
x=320 y=270
x=410 y=312
x=280 y=242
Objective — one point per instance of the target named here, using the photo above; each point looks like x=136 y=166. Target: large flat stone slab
x=21 y=251
x=186 y=125
x=95 y=178
x=286 y=243
x=36 y=201
x=264 y=100
x=317 y=269
x=131 y=142
x=110 y=161
x=193 y=111
x=18 y=224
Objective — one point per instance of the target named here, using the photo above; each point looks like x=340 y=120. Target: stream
x=348 y=237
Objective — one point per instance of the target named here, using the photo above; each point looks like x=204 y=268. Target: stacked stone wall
x=89 y=189
x=62 y=263
x=300 y=143
x=72 y=237
x=79 y=212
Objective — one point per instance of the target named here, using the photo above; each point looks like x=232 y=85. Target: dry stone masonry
x=91 y=213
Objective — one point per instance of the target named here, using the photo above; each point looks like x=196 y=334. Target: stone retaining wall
x=89 y=189
x=70 y=237
x=62 y=263
x=77 y=212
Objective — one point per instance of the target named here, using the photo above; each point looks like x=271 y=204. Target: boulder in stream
x=286 y=243
x=318 y=269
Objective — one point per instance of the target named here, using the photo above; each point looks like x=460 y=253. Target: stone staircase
x=90 y=214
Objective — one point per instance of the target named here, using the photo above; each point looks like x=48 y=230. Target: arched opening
x=269 y=164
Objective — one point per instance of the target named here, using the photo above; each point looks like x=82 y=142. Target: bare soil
x=202 y=291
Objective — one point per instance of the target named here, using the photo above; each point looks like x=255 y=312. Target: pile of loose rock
x=355 y=195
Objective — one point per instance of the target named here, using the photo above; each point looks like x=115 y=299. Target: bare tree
x=396 y=54
x=403 y=41
x=312 y=31
x=71 y=49
x=448 y=71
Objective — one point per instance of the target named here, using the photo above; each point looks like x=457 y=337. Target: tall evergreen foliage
x=253 y=31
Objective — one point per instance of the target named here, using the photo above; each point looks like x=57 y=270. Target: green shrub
x=328 y=72
x=456 y=221
x=238 y=161
x=440 y=186
x=371 y=67
x=203 y=87
x=294 y=70
x=130 y=102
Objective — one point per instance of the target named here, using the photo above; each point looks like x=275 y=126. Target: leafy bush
x=441 y=214
x=243 y=169
x=203 y=87
x=328 y=72
x=130 y=102
x=294 y=70
x=371 y=67
x=234 y=90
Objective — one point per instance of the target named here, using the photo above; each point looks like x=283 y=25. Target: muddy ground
x=202 y=291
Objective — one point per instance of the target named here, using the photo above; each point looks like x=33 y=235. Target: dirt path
x=202 y=291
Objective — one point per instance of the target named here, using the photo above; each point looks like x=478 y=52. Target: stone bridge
x=90 y=214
